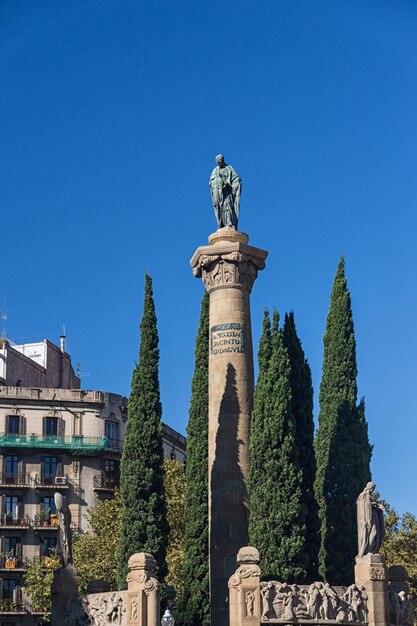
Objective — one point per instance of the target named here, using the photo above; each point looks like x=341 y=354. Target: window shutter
x=2 y=506
x=61 y=427
x=44 y=425
x=19 y=551
x=2 y=544
x=17 y=594
x=22 y=425
x=21 y=470
x=20 y=510
x=1 y=588
x=6 y=423
x=60 y=467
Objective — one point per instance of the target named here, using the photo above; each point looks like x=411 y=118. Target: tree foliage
x=94 y=552
x=400 y=545
x=144 y=521
x=194 y=607
x=38 y=580
x=343 y=452
x=174 y=481
x=277 y=517
x=302 y=411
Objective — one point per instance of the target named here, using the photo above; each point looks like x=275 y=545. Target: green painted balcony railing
x=74 y=445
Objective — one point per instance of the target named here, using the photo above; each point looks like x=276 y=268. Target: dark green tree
x=302 y=410
x=194 y=607
x=343 y=452
x=277 y=517
x=144 y=521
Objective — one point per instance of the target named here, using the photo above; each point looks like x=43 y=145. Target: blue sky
x=112 y=113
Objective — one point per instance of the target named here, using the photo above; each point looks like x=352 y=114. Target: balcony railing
x=104 y=483
x=13 y=562
x=11 y=521
x=46 y=521
x=72 y=444
x=10 y=607
x=50 y=480
x=14 y=480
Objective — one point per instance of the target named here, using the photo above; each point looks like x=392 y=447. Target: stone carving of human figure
x=267 y=594
x=134 y=609
x=64 y=550
x=370 y=522
x=250 y=602
x=225 y=187
x=314 y=600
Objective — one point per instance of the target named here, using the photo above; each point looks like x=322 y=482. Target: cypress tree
x=343 y=452
x=194 y=607
x=276 y=523
x=302 y=410
x=144 y=521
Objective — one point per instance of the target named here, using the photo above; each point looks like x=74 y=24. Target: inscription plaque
x=226 y=338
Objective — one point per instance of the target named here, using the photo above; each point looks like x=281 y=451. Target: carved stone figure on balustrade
x=267 y=595
x=250 y=603
x=314 y=601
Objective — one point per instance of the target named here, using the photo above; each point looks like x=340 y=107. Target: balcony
x=14 y=480
x=10 y=522
x=45 y=522
x=76 y=445
x=104 y=483
x=8 y=607
x=48 y=481
x=13 y=564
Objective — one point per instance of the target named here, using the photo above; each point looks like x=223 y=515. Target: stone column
x=143 y=594
x=371 y=573
x=228 y=267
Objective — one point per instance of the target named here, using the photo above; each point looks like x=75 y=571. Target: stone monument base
x=371 y=573
x=64 y=587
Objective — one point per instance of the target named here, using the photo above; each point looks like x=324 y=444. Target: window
x=9 y=585
x=173 y=456
x=13 y=424
x=12 y=507
x=51 y=426
x=12 y=467
x=50 y=465
x=47 y=544
x=11 y=545
x=112 y=431
x=48 y=506
x=111 y=472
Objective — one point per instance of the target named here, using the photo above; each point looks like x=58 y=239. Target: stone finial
x=142 y=561
x=248 y=554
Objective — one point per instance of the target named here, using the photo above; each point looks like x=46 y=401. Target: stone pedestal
x=244 y=586
x=228 y=267
x=371 y=573
x=63 y=589
x=143 y=595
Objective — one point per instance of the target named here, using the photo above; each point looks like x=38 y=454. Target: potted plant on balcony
x=8 y=518
x=45 y=519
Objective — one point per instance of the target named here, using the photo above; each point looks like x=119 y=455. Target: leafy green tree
x=38 y=580
x=343 y=452
x=144 y=522
x=302 y=410
x=174 y=481
x=277 y=517
x=94 y=552
x=194 y=607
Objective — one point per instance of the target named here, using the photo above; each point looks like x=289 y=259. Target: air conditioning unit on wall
x=61 y=480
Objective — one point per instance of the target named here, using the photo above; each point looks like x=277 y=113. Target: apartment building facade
x=54 y=439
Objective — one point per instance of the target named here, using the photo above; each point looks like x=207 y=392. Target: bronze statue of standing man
x=225 y=187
